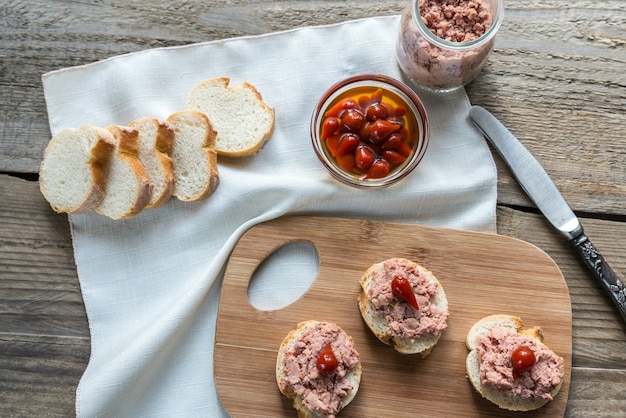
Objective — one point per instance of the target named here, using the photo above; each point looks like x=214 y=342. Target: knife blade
x=544 y=193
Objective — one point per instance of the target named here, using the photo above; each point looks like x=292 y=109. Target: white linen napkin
x=151 y=284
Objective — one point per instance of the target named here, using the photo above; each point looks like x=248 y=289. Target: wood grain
x=44 y=334
x=482 y=274
x=558 y=83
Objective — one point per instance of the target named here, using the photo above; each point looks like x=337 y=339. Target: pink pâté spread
x=494 y=354
x=404 y=320
x=321 y=392
x=455 y=20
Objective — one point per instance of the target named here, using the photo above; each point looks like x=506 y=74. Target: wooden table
x=557 y=79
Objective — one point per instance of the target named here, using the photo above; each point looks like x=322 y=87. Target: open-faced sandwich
x=404 y=304
x=512 y=367
x=318 y=368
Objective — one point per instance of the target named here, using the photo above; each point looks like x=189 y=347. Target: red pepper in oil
x=401 y=288
x=370 y=127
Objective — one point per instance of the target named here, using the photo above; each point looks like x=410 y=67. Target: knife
x=540 y=188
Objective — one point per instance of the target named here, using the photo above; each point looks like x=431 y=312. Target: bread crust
x=472 y=363
x=133 y=184
x=286 y=346
x=235 y=138
x=100 y=144
x=379 y=325
x=193 y=154
x=162 y=144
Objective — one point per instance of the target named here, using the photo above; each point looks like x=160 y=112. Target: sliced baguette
x=127 y=186
x=194 y=157
x=71 y=176
x=156 y=139
x=378 y=323
x=244 y=123
x=512 y=324
x=288 y=345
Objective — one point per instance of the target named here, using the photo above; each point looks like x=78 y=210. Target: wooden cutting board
x=482 y=274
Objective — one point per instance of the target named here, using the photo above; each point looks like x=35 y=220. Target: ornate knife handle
x=601 y=269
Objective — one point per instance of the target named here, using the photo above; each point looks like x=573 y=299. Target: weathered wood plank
x=40 y=374
x=39 y=289
x=558 y=84
x=44 y=335
x=596 y=393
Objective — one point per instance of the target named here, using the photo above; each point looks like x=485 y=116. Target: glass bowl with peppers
x=370 y=130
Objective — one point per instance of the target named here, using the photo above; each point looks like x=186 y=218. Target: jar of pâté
x=444 y=44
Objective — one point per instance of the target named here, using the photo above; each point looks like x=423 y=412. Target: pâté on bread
x=512 y=366
x=318 y=368
x=404 y=305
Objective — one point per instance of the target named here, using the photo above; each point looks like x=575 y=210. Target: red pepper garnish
x=401 y=288
x=522 y=359
x=326 y=361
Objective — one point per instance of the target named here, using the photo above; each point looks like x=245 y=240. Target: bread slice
x=512 y=324
x=71 y=176
x=194 y=157
x=127 y=187
x=156 y=139
x=289 y=345
x=244 y=123
x=379 y=325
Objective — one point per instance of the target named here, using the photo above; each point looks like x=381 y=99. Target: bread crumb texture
x=243 y=121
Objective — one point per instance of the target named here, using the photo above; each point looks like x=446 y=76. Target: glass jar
x=439 y=64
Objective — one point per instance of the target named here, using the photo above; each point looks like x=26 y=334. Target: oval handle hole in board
x=284 y=276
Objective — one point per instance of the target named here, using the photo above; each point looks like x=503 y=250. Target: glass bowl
x=370 y=131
